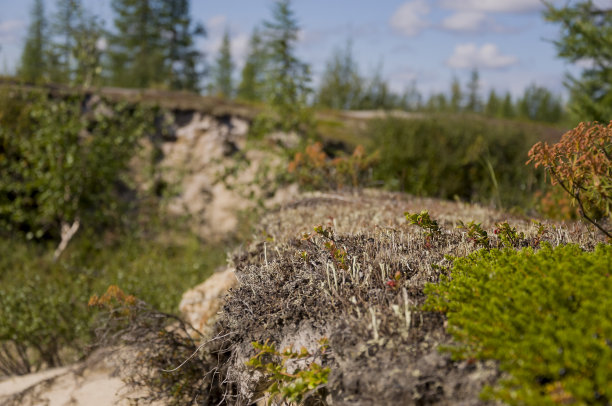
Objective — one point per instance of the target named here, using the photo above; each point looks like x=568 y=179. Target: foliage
x=543 y=316
x=341 y=83
x=424 y=221
x=252 y=83
x=34 y=59
x=61 y=166
x=43 y=303
x=586 y=36
x=474 y=103
x=581 y=163
x=508 y=235
x=169 y=368
x=153 y=45
x=297 y=385
x=288 y=81
x=476 y=234
x=554 y=203
x=539 y=104
x=463 y=157
x=314 y=169
x=223 y=70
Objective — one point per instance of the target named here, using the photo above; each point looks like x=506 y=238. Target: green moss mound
x=544 y=316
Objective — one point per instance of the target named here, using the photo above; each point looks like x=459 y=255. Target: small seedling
x=423 y=220
x=475 y=233
x=508 y=235
x=293 y=386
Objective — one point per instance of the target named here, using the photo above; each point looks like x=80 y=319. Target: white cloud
x=466 y=21
x=216 y=23
x=512 y=6
x=410 y=18
x=487 y=56
x=10 y=30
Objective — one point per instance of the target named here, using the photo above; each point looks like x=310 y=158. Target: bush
x=581 y=163
x=544 y=316
x=64 y=160
x=44 y=320
x=463 y=157
x=314 y=169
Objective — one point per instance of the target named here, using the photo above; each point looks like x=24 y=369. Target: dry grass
x=293 y=292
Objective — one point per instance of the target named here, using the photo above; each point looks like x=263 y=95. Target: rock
x=200 y=305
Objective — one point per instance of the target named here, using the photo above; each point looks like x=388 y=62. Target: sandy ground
x=90 y=383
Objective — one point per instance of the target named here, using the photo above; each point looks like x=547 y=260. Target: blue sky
x=426 y=41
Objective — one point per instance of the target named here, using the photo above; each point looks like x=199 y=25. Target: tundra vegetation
x=459 y=255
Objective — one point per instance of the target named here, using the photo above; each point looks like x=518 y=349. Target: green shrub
x=65 y=160
x=544 y=316
x=44 y=319
x=464 y=157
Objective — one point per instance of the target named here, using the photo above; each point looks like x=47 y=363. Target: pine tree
x=586 y=35
x=473 y=103
x=183 y=62
x=539 y=104
x=223 y=70
x=64 y=32
x=136 y=55
x=253 y=75
x=507 y=108
x=33 y=66
x=288 y=81
x=493 y=107
x=456 y=96
x=341 y=84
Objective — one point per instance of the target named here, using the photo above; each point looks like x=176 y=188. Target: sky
x=426 y=42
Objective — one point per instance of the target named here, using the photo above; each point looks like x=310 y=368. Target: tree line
x=152 y=44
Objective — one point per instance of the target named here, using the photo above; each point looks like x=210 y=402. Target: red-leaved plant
x=581 y=163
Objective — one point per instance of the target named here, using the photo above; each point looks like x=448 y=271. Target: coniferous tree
x=33 y=66
x=586 y=35
x=539 y=104
x=456 y=96
x=341 y=84
x=288 y=81
x=253 y=75
x=507 y=107
x=289 y=77
x=183 y=63
x=223 y=70
x=493 y=107
x=136 y=55
x=64 y=29
x=473 y=101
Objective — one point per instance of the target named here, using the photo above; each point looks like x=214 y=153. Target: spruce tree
x=253 y=75
x=493 y=107
x=473 y=102
x=508 y=109
x=136 y=55
x=456 y=96
x=289 y=78
x=184 y=64
x=64 y=32
x=33 y=67
x=223 y=70
x=341 y=84
x=586 y=35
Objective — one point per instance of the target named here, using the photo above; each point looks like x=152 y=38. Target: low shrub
x=312 y=168
x=544 y=316
x=581 y=164
x=44 y=320
x=463 y=157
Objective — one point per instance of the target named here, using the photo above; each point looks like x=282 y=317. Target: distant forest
x=152 y=44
